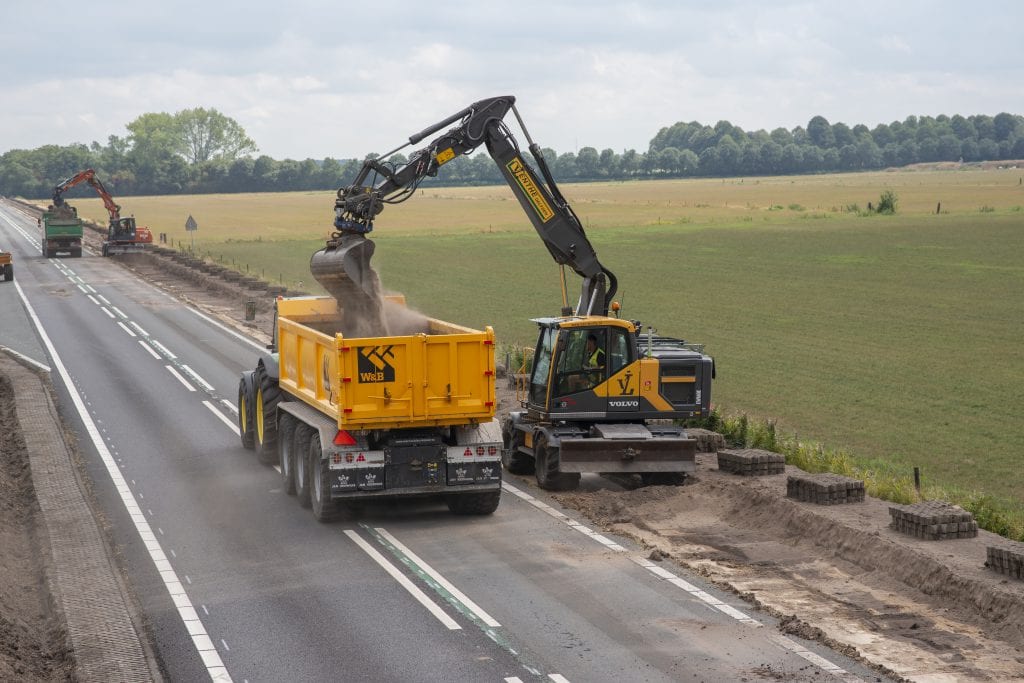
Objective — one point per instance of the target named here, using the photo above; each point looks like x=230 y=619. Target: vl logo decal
x=626 y=385
x=374 y=364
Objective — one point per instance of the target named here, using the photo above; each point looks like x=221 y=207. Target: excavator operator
x=594 y=355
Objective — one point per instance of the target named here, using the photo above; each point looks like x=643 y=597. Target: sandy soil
x=917 y=610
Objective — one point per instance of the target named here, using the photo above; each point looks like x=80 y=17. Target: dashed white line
x=93 y=299
x=404 y=582
x=213 y=409
x=149 y=349
x=138 y=328
x=107 y=311
x=86 y=291
x=195 y=376
x=170 y=369
x=103 y=299
x=443 y=582
x=163 y=349
x=126 y=328
x=229 y=405
x=89 y=287
x=119 y=311
x=558 y=678
x=230 y=331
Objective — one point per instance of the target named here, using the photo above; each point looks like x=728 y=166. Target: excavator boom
x=343 y=266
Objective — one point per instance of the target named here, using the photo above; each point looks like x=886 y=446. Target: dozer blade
x=343 y=269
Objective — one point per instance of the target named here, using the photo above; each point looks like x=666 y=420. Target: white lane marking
x=693 y=590
x=138 y=328
x=211 y=658
x=93 y=299
x=230 y=331
x=162 y=349
x=103 y=299
x=149 y=349
x=225 y=644
x=230 y=406
x=231 y=425
x=126 y=328
x=119 y=311
x=443 y=582
x=195 y=376
x=89 y=287
x=170 y=369
x=558 y=678
x=513 y=679
x=86 y=291
x=107 y=311
x=403 y=581
x=30 y=361
x=571 y=523
x=28 y=238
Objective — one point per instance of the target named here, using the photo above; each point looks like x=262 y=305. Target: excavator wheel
x=663 y=478
x=246 y=426
x=300 y=462
x=285 y=434
x=268 y=395
x=548 y=476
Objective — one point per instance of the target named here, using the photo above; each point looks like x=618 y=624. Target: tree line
x=198 y=151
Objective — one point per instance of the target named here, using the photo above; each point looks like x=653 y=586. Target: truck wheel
x=285 y=435
x=268 y=395
x=663 y=478
x=246 y=429
x=324 y=509
x=512 y=459
x=300 y=464
x=483 y=503
x=548 y=476
x=76 y=253
x=9 y=272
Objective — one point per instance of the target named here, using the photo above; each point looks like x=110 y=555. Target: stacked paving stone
x=751 y=462
x=707 y=440
x=1007 y=559
x=933 y=520
x=824 y=489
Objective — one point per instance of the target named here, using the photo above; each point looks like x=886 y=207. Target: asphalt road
x=234 y=581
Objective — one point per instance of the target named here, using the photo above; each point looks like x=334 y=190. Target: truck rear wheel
x=483 y=503
x=285 y=436
x=9 y=272
x=548 y=476
x=324 y=509
x=300 y=463
x=268 y=395
x=246 y=428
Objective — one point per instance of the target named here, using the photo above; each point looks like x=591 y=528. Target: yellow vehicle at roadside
x=6 y=266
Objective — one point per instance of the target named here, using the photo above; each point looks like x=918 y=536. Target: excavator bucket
x=343 y=269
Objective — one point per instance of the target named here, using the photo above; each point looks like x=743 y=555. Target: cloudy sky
x=313 y=78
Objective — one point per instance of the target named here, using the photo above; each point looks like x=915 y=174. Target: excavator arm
x=88 y=176
x=343 y=266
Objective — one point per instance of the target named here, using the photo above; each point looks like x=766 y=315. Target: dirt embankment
x=33 y=641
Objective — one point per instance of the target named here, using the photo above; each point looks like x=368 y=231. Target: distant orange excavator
x=122 y=234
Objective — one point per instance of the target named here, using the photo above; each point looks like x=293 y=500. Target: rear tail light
x=492 y=450
x=480 y=450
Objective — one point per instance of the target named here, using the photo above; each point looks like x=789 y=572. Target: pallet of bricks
x=933 y=520
x=751 y=462
x=824 y=489
x=1007 y=559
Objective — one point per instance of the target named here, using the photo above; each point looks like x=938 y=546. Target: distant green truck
x=62 y=231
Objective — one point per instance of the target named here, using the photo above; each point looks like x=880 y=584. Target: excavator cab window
x=582 y=360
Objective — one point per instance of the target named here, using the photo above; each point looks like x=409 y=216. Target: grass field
x=897 y=338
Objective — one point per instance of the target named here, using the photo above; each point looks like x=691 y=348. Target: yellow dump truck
x=6 y=266
x=410 y=413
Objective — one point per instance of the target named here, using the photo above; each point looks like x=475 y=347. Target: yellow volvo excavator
x=603 y=395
